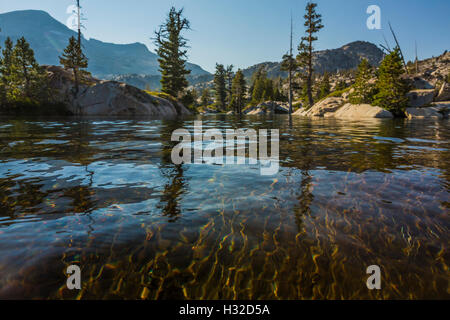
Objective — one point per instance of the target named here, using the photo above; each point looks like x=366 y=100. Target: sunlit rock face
x=337 y=108
x=361 y=111
x=321 y=108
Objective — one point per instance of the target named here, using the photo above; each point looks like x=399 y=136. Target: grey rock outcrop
x=419 y=83
x=108 y=98
x=268 y=107
x=423 y=113
x=444 y=92
x=420 y=98
x=115 y=98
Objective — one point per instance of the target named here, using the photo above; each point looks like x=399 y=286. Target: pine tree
x=205 y=98
x=172 y=53
x=324 y=86
x=313 y=24
x=260 y=73
x=238 y=90
x=268 y=90
x=258 y=90
x=74 y=59
x=364 y=91
x=392 y=89
x=229 y=81
x=220 y=86
x=6 y=66
x=290 y=65
x=26 y=79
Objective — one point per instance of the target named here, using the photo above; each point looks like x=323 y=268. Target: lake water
x=103 y=194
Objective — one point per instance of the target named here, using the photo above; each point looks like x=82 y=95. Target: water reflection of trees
x=305 y=150
x=30 y=195
x=174 y=174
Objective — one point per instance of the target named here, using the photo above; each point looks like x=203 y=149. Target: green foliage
x=324 y=87
x=263 y=88
x=296 y=105
x=364 y=91
x=2 y=94
x=74 y=59
x=313 y=24
x=338 y=93
x=23 y=81
x=304 y=93
x=220 y=86
x=6 y=70
x=288 y=63
x=229 y=75
x=189 y=99
x=238 y=91
x=341 y=85
x=205 y=98
x=258 y=91
x=172 y=53
x=392 y=89
x=268 y=92
x=279 y=96
x=163 y=95
x=447 y=79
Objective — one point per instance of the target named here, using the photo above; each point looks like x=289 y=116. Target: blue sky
x=246 y=32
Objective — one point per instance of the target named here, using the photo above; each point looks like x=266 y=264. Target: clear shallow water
x=104 y=194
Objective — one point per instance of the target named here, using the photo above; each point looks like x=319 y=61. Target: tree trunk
x=75 y=74
x=290 y=90
x=309 y=80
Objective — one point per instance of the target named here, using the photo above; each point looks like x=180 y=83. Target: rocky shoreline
x=429 y=98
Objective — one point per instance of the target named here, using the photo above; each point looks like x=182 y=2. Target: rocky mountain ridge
x=48 y=37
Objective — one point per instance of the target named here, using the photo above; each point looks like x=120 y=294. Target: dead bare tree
x=398 y=46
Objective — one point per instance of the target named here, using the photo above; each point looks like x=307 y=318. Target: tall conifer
x=313 y=24
x=171 y=49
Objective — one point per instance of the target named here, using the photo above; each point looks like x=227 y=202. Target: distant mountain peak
x=48 y=37
x=346 y=57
